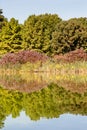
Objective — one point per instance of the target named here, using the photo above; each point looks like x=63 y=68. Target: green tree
x=37 y=32
x=11 y=39
x=3 y=20
x=70 y=35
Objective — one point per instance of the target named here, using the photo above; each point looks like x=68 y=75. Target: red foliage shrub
x=23 y=57
x=77 y=55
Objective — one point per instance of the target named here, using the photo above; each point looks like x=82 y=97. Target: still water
x=64 y=122
x=43 y=102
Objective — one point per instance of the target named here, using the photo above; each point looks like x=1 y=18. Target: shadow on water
x=41 y=95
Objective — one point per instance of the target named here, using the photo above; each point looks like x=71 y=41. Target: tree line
x=46 y=33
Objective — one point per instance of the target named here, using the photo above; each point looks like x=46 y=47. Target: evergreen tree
x=2 y=19
x=70 y=35
x=38 y=31
x=11 y=40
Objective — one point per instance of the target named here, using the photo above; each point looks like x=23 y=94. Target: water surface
x=65 y=121
x=43 y=102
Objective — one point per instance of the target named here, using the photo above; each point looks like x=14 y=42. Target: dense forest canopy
x=46 y=33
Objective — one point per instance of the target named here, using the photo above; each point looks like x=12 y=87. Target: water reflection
x=65 y=122
x=41 y=96
x=30 y=82
x=50 y=102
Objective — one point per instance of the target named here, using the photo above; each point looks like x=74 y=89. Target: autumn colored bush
x=31 y=56
x=77 y=55
x=23 y=57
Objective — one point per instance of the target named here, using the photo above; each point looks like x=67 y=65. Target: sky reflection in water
x=64 y=122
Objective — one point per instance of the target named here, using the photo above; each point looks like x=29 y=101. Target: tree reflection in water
x=48 y=102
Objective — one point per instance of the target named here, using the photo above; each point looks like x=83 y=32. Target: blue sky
x=21 y=9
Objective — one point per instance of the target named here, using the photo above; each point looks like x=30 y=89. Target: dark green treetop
x=70 y=35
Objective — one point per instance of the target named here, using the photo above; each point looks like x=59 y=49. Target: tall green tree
x=2 y=19
x=11 y=39
x=70 y=35
x=38 y=31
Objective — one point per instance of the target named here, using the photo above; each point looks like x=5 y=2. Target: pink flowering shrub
x=23 y=57
x=77 y=55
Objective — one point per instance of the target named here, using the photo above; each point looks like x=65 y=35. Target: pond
x=65 y=121
x=43 y=102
